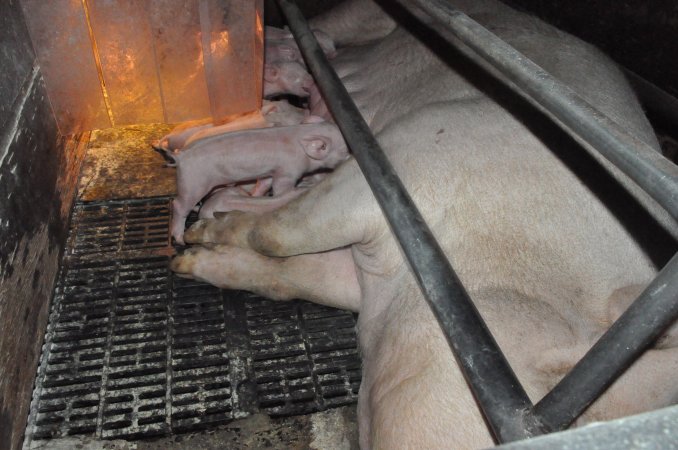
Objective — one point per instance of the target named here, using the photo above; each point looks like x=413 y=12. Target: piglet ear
x=271 y=73
x=316 y=147
x=310 y=118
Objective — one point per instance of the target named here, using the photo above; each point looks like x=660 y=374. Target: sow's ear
x=271 y=73
x=316 y=147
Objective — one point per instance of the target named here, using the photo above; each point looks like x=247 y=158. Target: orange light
x=259 y=25
x=219 y=45
x=117 y=62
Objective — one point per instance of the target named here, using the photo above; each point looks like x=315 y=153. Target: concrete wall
x=38 y=172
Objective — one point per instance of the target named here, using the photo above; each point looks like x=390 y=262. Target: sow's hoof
x=184 y=265
x=197 y=232
x=230 y=228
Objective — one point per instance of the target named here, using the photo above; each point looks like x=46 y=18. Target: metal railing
x=504 y=403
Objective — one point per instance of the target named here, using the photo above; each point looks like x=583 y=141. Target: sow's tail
x=167 y=154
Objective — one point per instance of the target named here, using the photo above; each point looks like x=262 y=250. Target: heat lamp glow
x=113 y=63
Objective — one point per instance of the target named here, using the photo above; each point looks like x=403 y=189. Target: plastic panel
x=123 y=37
x=178 y=46
x=62 y=44
x=148 y=62
x=228 y=31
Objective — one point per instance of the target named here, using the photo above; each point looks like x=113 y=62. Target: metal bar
x=656 y=430
x=658 y=306
x=646 y=167
x=642 y=323
x=499 y=393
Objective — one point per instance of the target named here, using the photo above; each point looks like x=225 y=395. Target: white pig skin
x=286 y=77
x=238 y=199
x=283 y=154
x=541 y=237
x=272 y=113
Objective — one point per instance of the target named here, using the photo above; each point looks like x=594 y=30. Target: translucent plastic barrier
x=62 y=45
x=116 y=62
x=178 y=49
x=231 y=54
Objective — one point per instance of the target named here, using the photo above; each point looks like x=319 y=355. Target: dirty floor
x=120 y=163
x=334 y=429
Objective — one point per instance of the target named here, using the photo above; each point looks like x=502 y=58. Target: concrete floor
x=120 y=163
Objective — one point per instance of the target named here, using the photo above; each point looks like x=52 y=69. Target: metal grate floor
x=132 y=351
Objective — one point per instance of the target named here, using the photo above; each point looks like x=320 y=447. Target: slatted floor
x=133 y=351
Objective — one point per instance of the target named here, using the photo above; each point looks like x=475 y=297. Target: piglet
x=238 y=199
x=272 y=114
x=245 y=122
x=282 y=153
x=281 y=114
x=176 y=138
x=227 y=200
x=180 y=135
x=279 y=44
x=287 y=77
x=276 y=51
x=275 y=33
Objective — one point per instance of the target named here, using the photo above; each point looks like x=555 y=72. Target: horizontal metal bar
x=645 y=166
x=498 y=391
x=656 y=430
x=641 y=324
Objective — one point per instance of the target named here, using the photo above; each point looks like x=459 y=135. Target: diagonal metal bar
x=503 y=400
